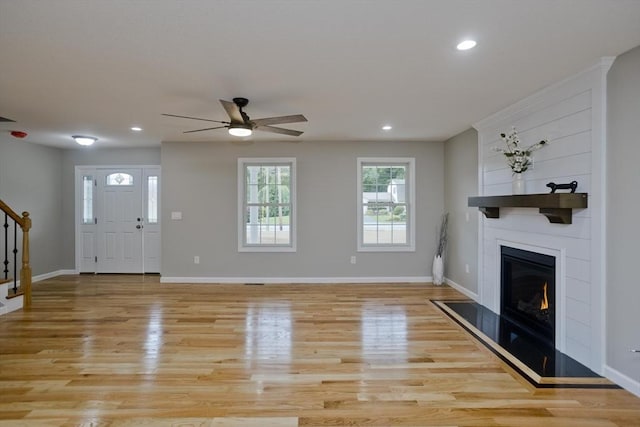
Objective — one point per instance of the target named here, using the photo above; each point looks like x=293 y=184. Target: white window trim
x=242 y=162
x=410 y=181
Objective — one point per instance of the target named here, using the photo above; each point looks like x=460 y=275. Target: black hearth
x=528 y=291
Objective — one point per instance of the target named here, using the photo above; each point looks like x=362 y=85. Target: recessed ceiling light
x=466 y=45
x=387 y=127
x=84 y=140
x=136 y=129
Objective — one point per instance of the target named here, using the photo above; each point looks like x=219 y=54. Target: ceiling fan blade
x=200 y=130
x=233 y=111
x=280 y=130
x=194 y=118
x=295 y=118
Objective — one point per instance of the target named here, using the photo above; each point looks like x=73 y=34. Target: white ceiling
x=98 y=67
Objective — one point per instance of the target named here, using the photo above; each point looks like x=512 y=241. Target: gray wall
x=199 y=179
x=31 y=180
x=460 y=182
x=92 y=156
x=623 y=205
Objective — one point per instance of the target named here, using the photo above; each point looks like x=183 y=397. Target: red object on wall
x=18 y=134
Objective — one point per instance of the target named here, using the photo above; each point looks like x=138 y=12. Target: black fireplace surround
x=528 y=291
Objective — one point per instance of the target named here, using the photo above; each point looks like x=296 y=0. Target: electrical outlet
x=466 y=268
x=353 y=259
x=196 y=259
x=466 y=216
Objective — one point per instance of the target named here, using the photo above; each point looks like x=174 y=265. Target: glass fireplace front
x=528 y=291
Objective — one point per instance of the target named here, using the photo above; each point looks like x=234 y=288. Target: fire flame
x=544 y=304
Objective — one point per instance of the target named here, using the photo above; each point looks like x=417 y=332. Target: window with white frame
x=266 y=204
x=386 y=204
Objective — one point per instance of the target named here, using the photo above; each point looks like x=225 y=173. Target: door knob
x=139 y=219
x=138 y=226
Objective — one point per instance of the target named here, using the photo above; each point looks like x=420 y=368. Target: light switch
x=176 y=215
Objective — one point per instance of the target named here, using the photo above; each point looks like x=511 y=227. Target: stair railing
x=24 y=222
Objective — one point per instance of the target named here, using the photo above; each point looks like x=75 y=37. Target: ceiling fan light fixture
x=240 y=125
x=240 y=130
x=84 y=140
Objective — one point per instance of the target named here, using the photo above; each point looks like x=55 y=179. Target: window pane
x=283 y=177
x=268 y=235
x=399 y=234
x=253 y=234
x=252 y=193
x=368 y=188
x=370 y=234
x=87 y=199
x=252 y=175
x=281 y=230
x=397 y=172
x=152 y=199
x=119 y=179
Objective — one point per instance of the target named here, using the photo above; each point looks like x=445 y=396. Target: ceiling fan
x=241 y=124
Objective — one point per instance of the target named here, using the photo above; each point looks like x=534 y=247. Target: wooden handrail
x=6 y=209
x=25 y=271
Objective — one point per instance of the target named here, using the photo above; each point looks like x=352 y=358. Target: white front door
x=119 y=221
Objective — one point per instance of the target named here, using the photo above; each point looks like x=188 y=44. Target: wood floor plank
x=122 y=350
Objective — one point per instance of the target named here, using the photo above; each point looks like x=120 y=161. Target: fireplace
x=528 y=291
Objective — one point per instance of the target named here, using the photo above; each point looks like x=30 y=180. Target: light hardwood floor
x=127 y=350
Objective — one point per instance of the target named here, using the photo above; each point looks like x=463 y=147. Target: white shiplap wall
x=571 y=115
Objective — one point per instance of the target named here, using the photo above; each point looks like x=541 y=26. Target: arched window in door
x=120 y=179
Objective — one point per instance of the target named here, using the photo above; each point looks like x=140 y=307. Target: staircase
x=14 y=293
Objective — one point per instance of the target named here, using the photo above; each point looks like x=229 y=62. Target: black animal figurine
x=570 y=186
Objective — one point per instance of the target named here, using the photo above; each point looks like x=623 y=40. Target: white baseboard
x=52 y=274
x=282 y=280
x=462 y=289
x=49 y=275
x=622 y=380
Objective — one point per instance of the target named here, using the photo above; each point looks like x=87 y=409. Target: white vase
x=437 y=270
x=518 y=184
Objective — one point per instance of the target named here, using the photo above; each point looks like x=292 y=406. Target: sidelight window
x=152 y=199
x=87 y=199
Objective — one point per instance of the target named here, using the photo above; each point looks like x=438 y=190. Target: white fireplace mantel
x=571 y=114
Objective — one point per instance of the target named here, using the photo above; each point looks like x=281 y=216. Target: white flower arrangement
x=518 y=159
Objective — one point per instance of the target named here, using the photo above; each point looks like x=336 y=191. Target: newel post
x=25 y=271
